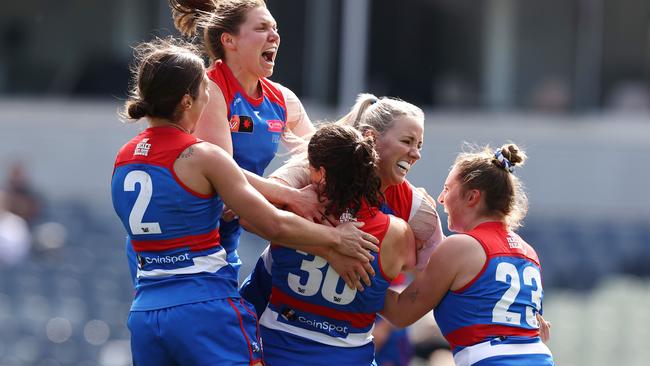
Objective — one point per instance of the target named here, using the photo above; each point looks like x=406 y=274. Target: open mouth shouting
x=404 y=166
x=269 y=56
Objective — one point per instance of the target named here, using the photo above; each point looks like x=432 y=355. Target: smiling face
x=399 y=148
x=256 y=45
x=451 y=197
x=463 y=205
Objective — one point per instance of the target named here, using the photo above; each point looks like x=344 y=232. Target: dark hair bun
x=138 y=109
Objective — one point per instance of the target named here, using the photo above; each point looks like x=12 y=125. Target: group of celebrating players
x=185 y=186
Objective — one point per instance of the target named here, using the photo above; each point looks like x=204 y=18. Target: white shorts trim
x=473 y=354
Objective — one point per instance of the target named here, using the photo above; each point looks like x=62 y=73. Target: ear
x=319 y=174
x=186 y=102
x=316 y=175
x=321 y=171
x=228 y=41
x=473 y=197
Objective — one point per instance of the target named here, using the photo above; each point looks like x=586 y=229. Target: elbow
x=400 y=323
x=395 y=319
x=392 y=312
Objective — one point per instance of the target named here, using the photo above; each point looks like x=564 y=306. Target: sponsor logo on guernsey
x=142 y=148
x=514 y=243
x=313 y=322
x=288 y=314
x=140 y=261
x=275 y=125
x=163 y=259
x=241 y=124
x=324 y=326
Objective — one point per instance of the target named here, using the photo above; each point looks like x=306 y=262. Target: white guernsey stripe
x=209 y=263
x=473 y=354
x=268 y=319
x=416 y=202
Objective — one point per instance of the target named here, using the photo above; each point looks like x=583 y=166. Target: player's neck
x=249 y=82
x=162 y=122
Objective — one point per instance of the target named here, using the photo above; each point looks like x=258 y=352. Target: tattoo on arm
x=187 y=153
x=412 y=295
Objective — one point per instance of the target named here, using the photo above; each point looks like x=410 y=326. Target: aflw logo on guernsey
x=514 y=244
x=240 y=123
x=142 y=148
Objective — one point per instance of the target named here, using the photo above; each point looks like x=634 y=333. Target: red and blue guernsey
x=401 y=200
x=313 y=318
x=256 y=126
x=173 y=229
x=492 y=320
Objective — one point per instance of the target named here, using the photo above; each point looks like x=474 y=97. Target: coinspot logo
x=324 y=326
x=168 y=259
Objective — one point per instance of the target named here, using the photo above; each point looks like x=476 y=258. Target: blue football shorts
x=216 y=332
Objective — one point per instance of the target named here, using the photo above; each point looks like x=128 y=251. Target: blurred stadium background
x=566 y=79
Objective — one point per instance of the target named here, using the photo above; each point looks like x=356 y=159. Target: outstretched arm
x=303 y=202
x=442 y=273
x=294 y=173
x=278 y=226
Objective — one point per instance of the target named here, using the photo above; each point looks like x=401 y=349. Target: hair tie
x=505 y=163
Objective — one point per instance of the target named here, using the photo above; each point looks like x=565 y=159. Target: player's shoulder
x=277 y=86
x=460 y=243
x=204 y=149
x=287 y=94
x=203 y=153
x=529 y=251
x=397 y=224
x=214 y=89
x=399 y=231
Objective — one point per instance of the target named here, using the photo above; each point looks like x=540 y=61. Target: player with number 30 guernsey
x=312 y=317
